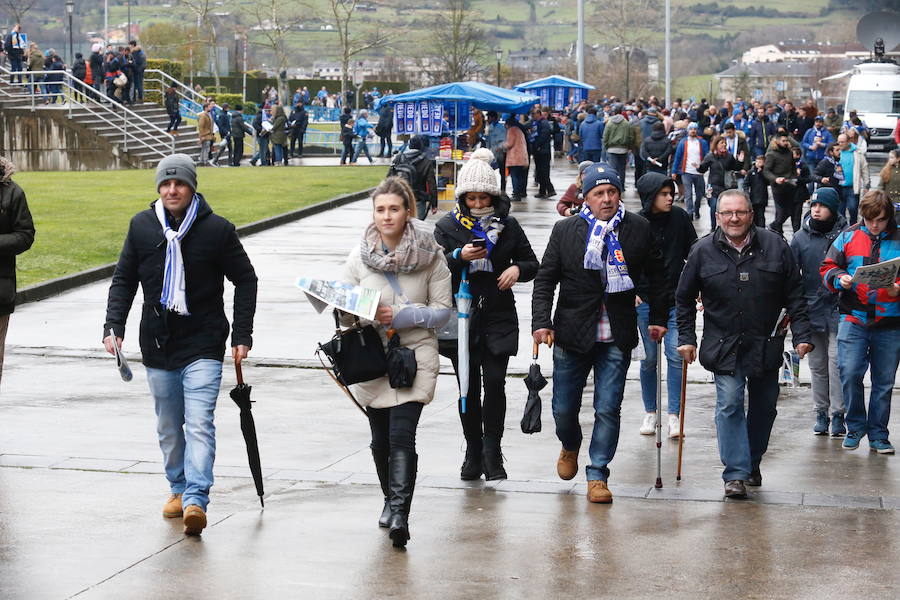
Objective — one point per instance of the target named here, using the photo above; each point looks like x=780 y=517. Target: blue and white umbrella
x=463 y=308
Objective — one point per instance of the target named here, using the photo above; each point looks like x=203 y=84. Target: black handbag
x=356 y=354
x=401 y=364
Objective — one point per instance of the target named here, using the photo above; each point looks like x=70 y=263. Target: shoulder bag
x=401 y=362
x=356 y=354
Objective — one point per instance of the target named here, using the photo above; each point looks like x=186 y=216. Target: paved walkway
x=81 y=482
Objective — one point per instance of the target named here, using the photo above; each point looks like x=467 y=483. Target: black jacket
x=757 y=187
x=657 y=146
x=298 y=121
x=718 y=165
x=809 y=247
x=825 y=169
x=212 y=251
x=96 y=61
x=16 y=236
x=79 y=69
x=582 y=291
x=172 y=104
x=543 y=137
x=674 y=232
x=238 y=128
x=779 y=163
x=426 y=187
x=742 y=298
x=494 y=317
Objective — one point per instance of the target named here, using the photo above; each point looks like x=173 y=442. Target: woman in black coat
x=718 y=162
x=494 y=266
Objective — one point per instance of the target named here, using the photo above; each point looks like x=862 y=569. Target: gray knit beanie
x=477 y=175
x=177 y=166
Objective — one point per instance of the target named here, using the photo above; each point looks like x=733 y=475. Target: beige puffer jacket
x=429 y=286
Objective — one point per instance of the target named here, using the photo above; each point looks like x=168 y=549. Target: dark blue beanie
x=827 y=197
x=597 y=174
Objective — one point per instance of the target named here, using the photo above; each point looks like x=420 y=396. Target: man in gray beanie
x=180 y=252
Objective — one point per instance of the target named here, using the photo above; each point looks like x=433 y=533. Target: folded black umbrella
x=535 y=382
x=241 y=396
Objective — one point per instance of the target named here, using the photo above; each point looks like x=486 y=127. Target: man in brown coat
x=205 y=131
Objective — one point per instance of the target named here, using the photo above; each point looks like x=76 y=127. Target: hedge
x=173 y=68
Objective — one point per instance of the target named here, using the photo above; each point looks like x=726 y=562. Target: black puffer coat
x=582 y=291
x=212 y=251
x=494 y=315
x=16 y=235
x=674 y=231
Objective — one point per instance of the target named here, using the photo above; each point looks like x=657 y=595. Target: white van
x=874 y=93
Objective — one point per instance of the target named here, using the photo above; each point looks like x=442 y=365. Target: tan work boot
x=194 y=520
x=567 y=464
x=172 y=508
x=598 y=492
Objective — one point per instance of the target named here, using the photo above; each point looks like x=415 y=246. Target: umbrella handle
x=534 y=351
x=239 y=372
x=550 y=340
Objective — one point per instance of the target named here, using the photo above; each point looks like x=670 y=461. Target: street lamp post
x=498 y=52
x=70 y=10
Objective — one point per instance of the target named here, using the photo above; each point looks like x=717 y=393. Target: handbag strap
x=395 y=285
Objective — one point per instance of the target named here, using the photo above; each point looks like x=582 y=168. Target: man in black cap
x=180 y=252
x=595 y=258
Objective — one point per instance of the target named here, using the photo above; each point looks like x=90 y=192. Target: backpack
x=401 y=168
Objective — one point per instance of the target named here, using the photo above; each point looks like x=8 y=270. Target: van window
x=874 y=101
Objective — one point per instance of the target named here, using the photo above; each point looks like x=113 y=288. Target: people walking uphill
x=173 y=109
x=781 y=172
x=502 y=258
x=745 y=275
x=595 y=260
x=868 y=336
x=180 y=252
x=855 y=170
x=16 y=236
x=820 y=228
x=399 y=256
x=675 y=233
x=756 y=186
x=688 y=155
x=720 y=163
x=656 y=150
x=618 y=139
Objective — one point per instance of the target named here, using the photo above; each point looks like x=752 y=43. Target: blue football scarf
x=488 y=229
x=174 y=295
x=602 y=239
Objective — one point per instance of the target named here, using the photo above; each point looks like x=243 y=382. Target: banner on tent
x=411 y=118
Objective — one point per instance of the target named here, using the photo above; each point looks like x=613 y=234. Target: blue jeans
x=694 y=190
x=593 y=155
x=648 y=365
x=518 y=176
x=878 y=350
x=346 y=153
x=618 y=162
x=570 y=371
x=361 y=146
x=848 y=202
x=744 y=437
x=279 y=152
x=185 y=405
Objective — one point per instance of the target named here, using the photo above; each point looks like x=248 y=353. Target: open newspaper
x=360 y=301
x=879 y=275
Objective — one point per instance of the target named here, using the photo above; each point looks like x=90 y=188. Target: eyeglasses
x=730 y=214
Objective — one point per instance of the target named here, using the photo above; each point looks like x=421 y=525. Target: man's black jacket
x=742 y=298
x=211 y=251
x=582 y=291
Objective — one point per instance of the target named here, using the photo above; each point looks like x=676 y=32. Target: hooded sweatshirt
x=673 y=231
x=591 y=132
x=658 y=147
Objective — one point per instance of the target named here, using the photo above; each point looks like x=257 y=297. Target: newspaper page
x=121 y=364
x=362 y=302
x=879 y=275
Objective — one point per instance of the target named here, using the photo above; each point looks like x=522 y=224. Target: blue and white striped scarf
x=174 y=296
x=602 y=236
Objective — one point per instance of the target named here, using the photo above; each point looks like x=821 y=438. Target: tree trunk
x=532 y=12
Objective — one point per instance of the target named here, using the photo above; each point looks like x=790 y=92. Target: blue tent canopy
x=553 y=81
x=479 y=95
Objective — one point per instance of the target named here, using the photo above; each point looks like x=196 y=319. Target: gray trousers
x=4 y=325
x=826 y=380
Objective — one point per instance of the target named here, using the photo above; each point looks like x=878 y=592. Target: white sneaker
x=648 y=427
x=674 y=426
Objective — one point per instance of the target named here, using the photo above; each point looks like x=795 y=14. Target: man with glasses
x=746 y=275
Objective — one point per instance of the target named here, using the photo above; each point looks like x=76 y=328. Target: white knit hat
x=476 y=175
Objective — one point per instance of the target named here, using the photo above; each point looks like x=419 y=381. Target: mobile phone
x=479 y=243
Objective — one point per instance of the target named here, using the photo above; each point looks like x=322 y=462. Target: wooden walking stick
x=684 y=369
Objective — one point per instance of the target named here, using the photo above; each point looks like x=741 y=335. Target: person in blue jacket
x=815 y=141
x=362 y=130
x=591 y=132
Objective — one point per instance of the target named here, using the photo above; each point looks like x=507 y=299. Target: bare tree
x=628 y=25
x=532 y=11
x=17 y=9
x=274 y=19
x=460 y=44
x=203 y=11
x=353 y=41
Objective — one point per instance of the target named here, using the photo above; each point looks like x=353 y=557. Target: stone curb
x=59 y=285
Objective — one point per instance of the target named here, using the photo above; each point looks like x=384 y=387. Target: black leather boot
x=402 y=483
x=381 y=467
x=471 y=467
x=492 y=460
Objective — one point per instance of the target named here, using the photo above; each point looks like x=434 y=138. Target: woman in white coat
x=399 y=246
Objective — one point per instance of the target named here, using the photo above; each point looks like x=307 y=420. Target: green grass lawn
x=81 y=218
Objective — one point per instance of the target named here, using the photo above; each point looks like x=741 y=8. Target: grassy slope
x=81 y=218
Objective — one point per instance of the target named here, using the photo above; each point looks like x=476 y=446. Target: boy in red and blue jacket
x=869 y=332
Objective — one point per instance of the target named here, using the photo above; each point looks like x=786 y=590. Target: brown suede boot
x=598 y=492
x=172 y=508
x=194 y=520
x=567 y=464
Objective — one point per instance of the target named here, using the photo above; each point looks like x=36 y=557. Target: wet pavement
x=81 y=484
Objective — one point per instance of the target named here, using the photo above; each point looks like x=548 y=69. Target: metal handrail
x=93 y=108
x=195 y=98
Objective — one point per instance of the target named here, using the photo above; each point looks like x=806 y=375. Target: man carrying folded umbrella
x=180 y=252
x=595 y=258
